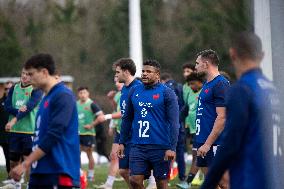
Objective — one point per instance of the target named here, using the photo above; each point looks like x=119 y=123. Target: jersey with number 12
x=152 y=121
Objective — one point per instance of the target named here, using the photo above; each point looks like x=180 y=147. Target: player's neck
x=129 y=80
x=245 y=66
x=51 y=82
x=212 y=74
x=84 y=100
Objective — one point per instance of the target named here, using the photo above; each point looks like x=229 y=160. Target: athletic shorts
x=207 y=160
x=143 y=160
x=87 y=140
x=124 y=162
x=20 y=143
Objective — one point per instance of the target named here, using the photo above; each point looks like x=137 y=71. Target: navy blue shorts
x=143 y=160
x=124 y=162
x=87 y=140
x=20 y=143
x=207 y=160
x=116 y=138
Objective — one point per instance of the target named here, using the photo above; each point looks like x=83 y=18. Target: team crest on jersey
x=27 y=93
x=156 y=96
x=45 y=105
x=86 y=108
x=206 y=91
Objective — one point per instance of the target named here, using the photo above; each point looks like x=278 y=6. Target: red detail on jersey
x=156 y=96
x=86 y=108
x=45 y=104
x=27 y=94
x=206 y=91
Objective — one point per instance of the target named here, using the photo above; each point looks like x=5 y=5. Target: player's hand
x=120 y=152
x=101 y=118
x=202 y=151
x=170 y=155
x=16 y=173
x=88 y=126
x=186 y=126
x=111 y=94
x=10 y=124
x=23 y=108
x=114 y=151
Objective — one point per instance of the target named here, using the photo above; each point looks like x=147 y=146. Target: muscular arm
x=218 y=126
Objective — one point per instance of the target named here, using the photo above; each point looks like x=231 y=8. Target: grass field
x=100 y=176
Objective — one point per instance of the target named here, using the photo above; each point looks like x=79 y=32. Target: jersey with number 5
x=211 y=96
x=155 y=115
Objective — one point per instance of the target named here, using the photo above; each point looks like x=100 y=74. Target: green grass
x=100 y=177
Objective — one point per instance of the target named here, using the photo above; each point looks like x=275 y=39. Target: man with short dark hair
x=210 y=114
x=151 y=119
x=252 y=118
x=55 y=160
x=125 y=70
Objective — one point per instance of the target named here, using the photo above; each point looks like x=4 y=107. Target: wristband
x=108 y=116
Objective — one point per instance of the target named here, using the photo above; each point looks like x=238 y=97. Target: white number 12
x=141 y=125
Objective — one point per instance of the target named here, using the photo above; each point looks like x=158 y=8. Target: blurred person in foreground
x=251 y=117
x=55 y=160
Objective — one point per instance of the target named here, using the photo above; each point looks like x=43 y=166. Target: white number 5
x=143 y=124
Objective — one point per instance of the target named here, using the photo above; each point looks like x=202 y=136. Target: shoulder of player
x=239 y=89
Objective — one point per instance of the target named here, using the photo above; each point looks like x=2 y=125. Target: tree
x=10 y=49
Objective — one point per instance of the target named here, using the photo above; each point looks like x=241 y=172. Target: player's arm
x=233 y=135
x=172 y=113
x=8 y=103
x=219 y=92
x=127 y=119
x=218 y=126
x=63 y=107
x=36 y=97
x=98 y=112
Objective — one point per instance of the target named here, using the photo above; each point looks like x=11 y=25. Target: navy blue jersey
x=56 y=134
x=212 y=95
x=152 y=116
x=246 y=149
x=124 y=96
